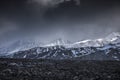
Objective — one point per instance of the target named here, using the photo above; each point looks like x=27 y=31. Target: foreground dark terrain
x=24 y=69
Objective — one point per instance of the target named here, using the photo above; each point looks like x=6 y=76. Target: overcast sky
x=52 y=19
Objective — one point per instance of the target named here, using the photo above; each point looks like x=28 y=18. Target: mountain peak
x=59 y=41
x=113 y=37
x=114 y=34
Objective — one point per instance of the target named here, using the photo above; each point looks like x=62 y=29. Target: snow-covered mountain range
x=107 y=48
x=20 y=45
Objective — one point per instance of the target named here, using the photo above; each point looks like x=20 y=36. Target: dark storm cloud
x=50 y=19
x=46 y=2
x=49 y=3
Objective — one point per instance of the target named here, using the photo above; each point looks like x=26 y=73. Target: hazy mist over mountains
x=47 y=20
x=59 y=39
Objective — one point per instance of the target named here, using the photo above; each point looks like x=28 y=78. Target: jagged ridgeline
x=107 y=48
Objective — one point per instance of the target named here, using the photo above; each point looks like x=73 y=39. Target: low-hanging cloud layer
x=51 y=19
